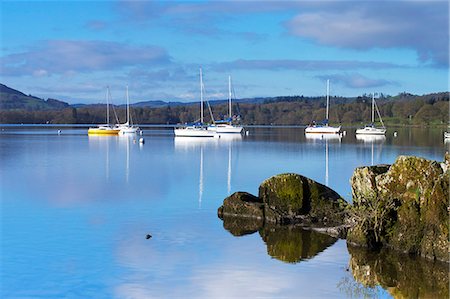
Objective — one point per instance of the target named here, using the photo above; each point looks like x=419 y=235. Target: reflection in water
x=401 y=275
x=290 y=244
x=229 y=171
x=372 y=140
x=293 y=244
x=325 y=138
x=240 y=226
x=102 y=140
x=200 y=180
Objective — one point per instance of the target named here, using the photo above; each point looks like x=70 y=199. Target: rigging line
x=378 y=112
x=114 y=110
x=209 y=106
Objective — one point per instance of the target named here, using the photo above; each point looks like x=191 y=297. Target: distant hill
x=159 y=104
x=11 y=99
x=399 y=110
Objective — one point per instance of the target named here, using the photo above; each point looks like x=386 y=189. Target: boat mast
x=107 y=105
x=328 y=97
x=201 y=96
x=373 y=108
x=229 y=95
x=128 y=108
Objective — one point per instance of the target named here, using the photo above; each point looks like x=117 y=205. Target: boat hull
x=226 y=129
x=322 y=130
x=194 y=132
x=101 y=131
x=130 y=130
x=371 y=131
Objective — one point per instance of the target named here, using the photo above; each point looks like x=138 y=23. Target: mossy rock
x=404 y=208
x=363 y=183
x=284 y=193
x=242 y=204
x=288 y=197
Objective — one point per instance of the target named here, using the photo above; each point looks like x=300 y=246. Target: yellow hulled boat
x=103 y=130
x=106 y=129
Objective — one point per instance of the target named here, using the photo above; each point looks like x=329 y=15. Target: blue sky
x=72 y=50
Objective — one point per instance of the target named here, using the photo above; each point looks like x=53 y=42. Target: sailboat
x=198 y=129
x=127 y=127
x=105 y=129
x=371 y=129
x=226 y=125
x=323 y=128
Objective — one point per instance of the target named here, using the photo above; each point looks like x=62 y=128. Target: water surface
x=75 y=211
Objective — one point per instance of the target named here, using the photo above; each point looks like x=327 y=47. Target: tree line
x=404 y=109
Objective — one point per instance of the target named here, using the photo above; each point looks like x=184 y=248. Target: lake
x=76 y=209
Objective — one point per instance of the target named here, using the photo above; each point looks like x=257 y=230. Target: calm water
x=75 y=211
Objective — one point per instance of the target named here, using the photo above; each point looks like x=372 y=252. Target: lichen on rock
x=292 y=198
x=404 y=207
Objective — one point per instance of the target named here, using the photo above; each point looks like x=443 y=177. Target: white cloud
x=419 y=25
x=68 y=56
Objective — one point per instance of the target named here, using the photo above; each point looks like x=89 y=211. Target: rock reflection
x=293 y=244
x=290 y=244
x=401 y=275
x=239 y=226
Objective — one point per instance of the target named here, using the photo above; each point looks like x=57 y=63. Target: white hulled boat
x=128 y=127
x=198 y=129
x=226 y=125
x=371 y=129
x=105 y=129
x=323 y=128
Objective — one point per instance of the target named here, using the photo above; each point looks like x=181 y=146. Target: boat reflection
x=403 y=276
x=230 y=137
x=188 y=143
x=371 y=138
x=324 y=138
x=103 y=141
x=313 y=137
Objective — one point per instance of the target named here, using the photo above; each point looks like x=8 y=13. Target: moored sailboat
x=127 y=127
x=371 y=129
x=105 y=129
x=198 y=129
x=323 y=128
x=226 y=125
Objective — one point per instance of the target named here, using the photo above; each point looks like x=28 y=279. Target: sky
x=73 y=50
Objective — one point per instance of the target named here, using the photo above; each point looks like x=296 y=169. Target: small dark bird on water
x=148 y=236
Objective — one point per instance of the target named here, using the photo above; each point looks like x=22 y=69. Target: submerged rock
x=403 y=207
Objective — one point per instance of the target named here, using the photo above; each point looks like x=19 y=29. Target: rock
x=286 y=199
x=292 y=198
x=242 y=204
x=363 y=182
x=404 y=207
